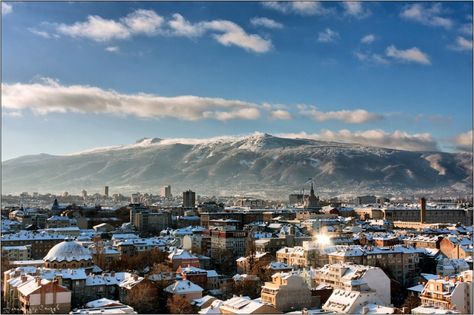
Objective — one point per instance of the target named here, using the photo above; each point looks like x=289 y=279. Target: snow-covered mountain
x=260 y=164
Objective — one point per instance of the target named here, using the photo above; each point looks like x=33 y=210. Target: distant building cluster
x=235 y=255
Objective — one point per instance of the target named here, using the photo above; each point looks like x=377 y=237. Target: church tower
x=312 y=202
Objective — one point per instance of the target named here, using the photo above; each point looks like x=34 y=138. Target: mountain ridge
x=260 y=164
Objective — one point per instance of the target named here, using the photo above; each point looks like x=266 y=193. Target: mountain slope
x=260 y=164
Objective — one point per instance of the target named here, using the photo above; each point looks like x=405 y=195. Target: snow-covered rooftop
x=68 y=251
x=182 y=287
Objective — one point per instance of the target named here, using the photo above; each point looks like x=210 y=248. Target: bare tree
x=410 y=303
x=144 y=297
x=247 y=288
x=179 y=305
x=159 y=268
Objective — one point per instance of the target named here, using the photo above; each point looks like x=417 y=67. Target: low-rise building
x=456 y=247
x=423 y=241
x=41 y=242
x=185 y=289
x=352 y=301
x=43 y=296
x=207 y=279
x=182 y=258
x=287 y=292
x=448 y=267
x=103 y=227
x=245 y=264
x=449 y=293
x=57 y=221
x=245 y=305
x=22 y=252
x=104 y=306
x=343 y=275
x=134 y=246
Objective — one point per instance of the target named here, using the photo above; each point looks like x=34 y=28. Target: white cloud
x=466 y=29
x=266 y=22
x=374 y=137
x=14 y=114
x=426 y=14
x=143 y=21
x=6 y=8
x=355 y=9
x=372 y=58
x=298 y=7
x=281 y=114
x=40 y=33
x=49 y=96
x=328 y=36
x=112 y=49
x=149 y=23
x=181 y=27
x=462 y=44
x=96 y=29
x=408 y=55
x=357 y=116
x=233 y=35
x=433 y=118
x=367 y=39
x=464 y=141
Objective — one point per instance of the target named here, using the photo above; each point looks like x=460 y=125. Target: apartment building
x=245 y=264
x=22 y=252
x=227 y=242
x=39 y=296
x=449 y=293
x=402 y=262
x=358 y=300
x=343 y=275
x=287 y=292
x=41 y=242
x=456 y=247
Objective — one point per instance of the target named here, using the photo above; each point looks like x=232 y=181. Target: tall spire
x=312 y=190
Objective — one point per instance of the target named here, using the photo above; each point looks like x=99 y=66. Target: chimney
x=23 y=278
x=112 y=274
x=59 y=279
x=38 y=280
x=423 y=210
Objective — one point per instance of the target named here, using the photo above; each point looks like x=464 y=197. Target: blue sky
x=83 y=75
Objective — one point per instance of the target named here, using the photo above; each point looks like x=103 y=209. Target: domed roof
x=68 y=251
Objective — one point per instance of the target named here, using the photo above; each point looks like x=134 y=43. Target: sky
x=83 y=75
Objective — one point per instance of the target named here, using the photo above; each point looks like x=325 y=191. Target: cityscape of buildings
x=293 y=157
x=109 y=253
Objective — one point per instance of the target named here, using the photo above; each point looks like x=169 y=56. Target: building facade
x=287 y=292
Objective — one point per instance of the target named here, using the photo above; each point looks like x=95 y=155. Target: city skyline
x=111 y=73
